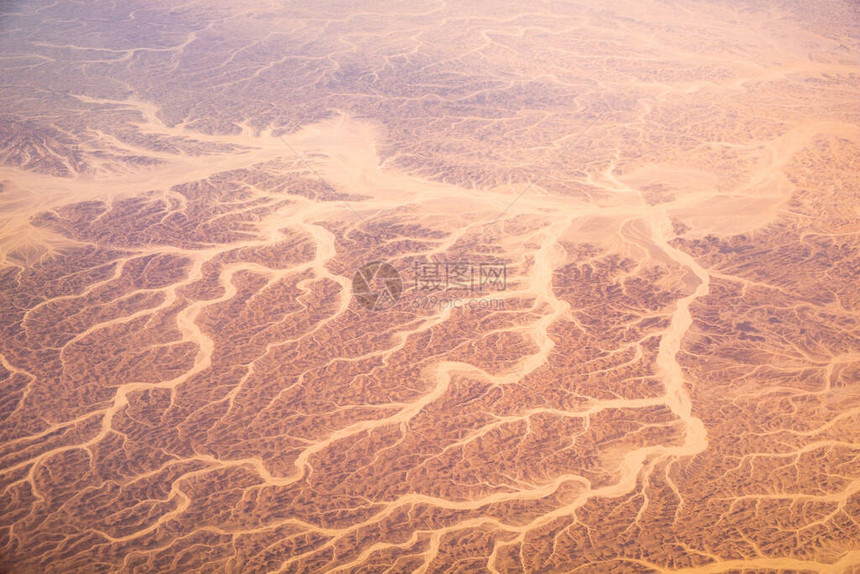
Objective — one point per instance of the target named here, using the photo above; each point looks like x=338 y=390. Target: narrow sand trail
x=344 y=153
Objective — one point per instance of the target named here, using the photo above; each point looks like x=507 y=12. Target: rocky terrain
x=621 y=335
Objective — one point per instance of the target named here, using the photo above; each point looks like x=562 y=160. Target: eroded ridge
x=667 y=382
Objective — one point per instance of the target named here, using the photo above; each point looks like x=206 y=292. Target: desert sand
x=667 y=381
